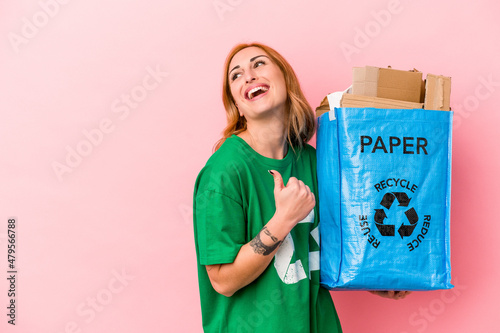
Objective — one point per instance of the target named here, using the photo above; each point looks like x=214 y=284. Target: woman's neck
x=268 y=140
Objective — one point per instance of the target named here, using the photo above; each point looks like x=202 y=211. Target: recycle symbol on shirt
x=387 y=229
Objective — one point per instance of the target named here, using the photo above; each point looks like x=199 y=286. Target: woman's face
x=257 y=84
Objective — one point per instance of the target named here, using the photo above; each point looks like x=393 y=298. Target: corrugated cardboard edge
x=437 y=92
x=358 y=101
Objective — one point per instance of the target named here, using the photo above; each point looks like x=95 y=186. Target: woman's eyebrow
x=252 y=59
x=258 y=57
x=235 y=67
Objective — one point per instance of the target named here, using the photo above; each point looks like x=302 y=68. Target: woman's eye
x=259 y=63
x=235 y=76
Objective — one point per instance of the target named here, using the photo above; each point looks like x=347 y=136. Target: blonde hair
x=300 y=123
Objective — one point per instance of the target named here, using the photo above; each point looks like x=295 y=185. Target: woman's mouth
x=256 y=91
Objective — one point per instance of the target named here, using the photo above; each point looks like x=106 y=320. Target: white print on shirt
x=289 y=272
x=314 y=255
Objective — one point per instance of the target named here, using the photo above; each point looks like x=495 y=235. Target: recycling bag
x=384 y=178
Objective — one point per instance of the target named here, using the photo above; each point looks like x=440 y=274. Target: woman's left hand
x=392 y=294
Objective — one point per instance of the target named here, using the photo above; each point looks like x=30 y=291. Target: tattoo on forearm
x=261 y=248
x=267 y=232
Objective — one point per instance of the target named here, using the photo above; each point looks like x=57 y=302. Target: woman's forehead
x=244 y=56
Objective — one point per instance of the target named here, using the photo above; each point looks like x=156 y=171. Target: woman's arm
x=293 y=202
x=250 y=262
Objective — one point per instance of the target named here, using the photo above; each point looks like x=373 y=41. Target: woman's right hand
x=293 y=201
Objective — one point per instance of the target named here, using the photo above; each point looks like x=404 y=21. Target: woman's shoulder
x=222 y=170
x=229 y=153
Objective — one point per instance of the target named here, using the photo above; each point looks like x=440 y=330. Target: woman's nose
x=249 y=76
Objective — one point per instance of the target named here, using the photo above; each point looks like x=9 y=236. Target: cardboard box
x=437 y=92
x=387 y=83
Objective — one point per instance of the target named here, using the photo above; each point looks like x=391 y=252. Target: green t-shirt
x=233 y=200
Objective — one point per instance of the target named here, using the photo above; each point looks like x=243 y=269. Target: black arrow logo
x=380 y=216
x=402 y=198
x=407 y=230
x=384 y=229
x=387 y=200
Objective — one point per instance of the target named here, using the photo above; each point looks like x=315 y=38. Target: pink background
x=106 y=244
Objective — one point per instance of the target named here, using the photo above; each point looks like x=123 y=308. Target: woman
x=255 y=212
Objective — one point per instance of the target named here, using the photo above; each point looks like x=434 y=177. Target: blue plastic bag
x=384 y=178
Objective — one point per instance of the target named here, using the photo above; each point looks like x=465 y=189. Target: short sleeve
x=220 y=227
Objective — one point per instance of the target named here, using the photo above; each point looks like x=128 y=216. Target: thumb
x=278 y=181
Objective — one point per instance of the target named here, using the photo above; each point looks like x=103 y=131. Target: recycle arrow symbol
x=407 y=230
x=385 y=229
x=387 y=200
x=389 y=229
x=389 y=197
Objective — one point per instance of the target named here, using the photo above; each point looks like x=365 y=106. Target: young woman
x=255 y=212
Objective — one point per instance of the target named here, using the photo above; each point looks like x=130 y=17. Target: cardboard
x=358 y=101
x=365 y=80
x=323 y=107
x=331 y=101
x=437 y=92
x=387 y=83
x=388 y=88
